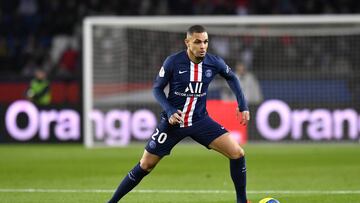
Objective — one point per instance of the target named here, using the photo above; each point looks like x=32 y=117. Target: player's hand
x=176 y=118
x=243 y=116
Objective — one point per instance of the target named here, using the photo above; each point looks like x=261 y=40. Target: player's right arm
x=162 y=79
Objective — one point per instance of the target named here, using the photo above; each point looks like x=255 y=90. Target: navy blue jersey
x=188 y=85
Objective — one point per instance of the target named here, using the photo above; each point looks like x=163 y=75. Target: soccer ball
x=269 y=200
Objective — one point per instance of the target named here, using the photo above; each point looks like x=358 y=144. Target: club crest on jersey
x=162 y=72
x=208 y=73
x=152 y=144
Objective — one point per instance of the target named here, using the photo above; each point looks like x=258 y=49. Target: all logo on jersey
x=194 y=88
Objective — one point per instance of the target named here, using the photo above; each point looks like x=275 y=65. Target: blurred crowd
x=47 y=34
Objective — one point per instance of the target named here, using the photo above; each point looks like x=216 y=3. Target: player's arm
x=234 y=84
x=160 y=83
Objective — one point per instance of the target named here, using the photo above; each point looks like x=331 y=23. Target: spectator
x=249 y=85
x=68 y=62
x=27 y=7
x=242 y=7
x=30 y=67
x=39 y=90
x=3 y=53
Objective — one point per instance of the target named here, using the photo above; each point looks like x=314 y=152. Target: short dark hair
x=196 y=29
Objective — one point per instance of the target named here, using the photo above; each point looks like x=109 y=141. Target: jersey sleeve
x=162 y=79
x=234 y=84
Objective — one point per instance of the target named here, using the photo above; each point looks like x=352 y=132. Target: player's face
x=197 y=45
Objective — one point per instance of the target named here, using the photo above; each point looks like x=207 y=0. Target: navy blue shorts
x=166 y=136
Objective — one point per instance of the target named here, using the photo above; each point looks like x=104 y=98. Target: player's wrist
x=242 y=108
x=170 y=112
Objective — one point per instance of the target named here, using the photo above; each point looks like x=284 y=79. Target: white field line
x=33 y=190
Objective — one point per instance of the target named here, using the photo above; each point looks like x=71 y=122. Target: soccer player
x=189 y=74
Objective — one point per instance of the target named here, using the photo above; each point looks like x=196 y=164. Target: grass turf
x=284 y=169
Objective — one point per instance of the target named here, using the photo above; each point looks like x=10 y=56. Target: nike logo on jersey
x=181 y=72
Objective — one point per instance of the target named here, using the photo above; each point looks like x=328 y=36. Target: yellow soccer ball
x=269 y=200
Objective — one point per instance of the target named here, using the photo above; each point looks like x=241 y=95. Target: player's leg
x=213 y=136
x=158 y=146
x=147 y=163
x=227 y=146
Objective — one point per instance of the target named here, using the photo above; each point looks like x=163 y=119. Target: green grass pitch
x=292 y=173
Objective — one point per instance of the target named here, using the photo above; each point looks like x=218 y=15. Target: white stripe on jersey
x=192 y=71
x=192 y=112
x=184 y=111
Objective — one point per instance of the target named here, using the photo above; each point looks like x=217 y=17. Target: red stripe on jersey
x=196 y=72
x=186 y=119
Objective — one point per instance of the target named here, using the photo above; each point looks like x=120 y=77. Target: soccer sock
x=238 y=175
x=128 y=183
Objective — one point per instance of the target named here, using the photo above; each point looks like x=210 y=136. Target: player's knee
x=147 y=165
x=237 y=153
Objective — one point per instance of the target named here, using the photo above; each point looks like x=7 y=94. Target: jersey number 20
x=161 y=138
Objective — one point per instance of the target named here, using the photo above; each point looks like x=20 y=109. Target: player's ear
x=186 y=41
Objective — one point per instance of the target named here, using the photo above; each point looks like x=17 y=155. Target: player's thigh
x=164 y=139
x=227 y=146
x=206 y=131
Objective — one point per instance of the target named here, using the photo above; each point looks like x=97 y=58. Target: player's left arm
x=160 y=82
x=242 y=110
